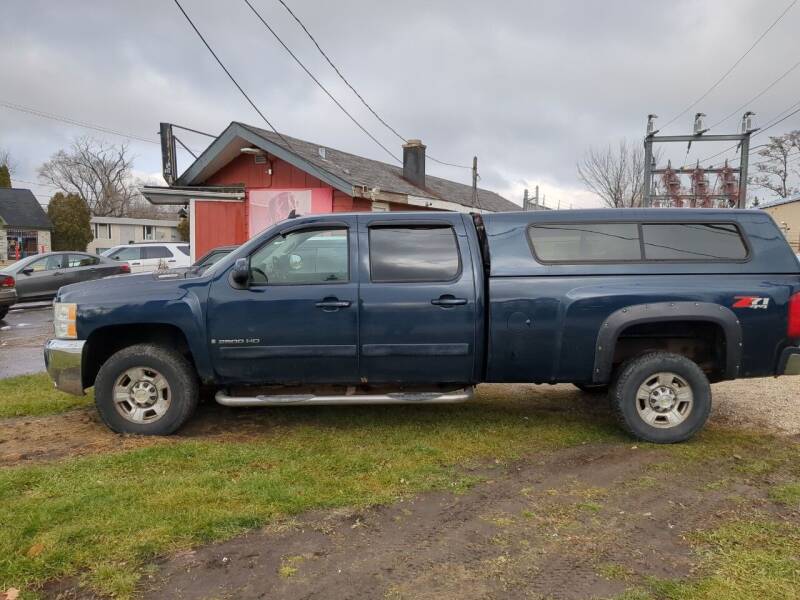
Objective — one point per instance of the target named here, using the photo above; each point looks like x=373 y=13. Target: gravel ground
x=771 y=402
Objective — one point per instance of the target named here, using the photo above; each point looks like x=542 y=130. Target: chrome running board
x=451 y=397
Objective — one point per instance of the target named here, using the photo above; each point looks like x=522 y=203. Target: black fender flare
x=666 y=311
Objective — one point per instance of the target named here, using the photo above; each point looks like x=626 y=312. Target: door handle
x=448 y=300
x=332 y=303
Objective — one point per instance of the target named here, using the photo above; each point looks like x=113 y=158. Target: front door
x=297 y=320
x=418 y=300
x=42 y=278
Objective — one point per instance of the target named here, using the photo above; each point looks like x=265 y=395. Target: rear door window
x=129 y=253
x=585 y=242
x=81 y=260
x=693 y=241
x=156 y=252
x=413 y=254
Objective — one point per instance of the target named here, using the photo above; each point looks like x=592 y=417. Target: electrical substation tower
x=730 y=189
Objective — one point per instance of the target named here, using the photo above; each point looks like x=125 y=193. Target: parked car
x=150 y=256
x=8 y=294
x=417 y=308
x=38 y=277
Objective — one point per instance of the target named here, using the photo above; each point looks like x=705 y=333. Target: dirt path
x=541 y=528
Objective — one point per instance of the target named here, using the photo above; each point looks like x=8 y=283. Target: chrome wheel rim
x=664 y=400
x=142 y=395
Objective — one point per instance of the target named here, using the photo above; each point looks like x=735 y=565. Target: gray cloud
x=527 y=86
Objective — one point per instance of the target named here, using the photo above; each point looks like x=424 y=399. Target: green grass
x=787 y=494
x=102 y=517
x=33 y=395
x=743 y=559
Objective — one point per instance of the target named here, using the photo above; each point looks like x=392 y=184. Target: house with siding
x=24 y=226
x=113 y=231
x=250 y=178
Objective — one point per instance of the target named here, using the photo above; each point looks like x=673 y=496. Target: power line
x=349 y=85
x=231 y=77
x=779 y=118
x=730 y=70
x=86 y=124
x=70 y=121
x=324 y=89
x=757 y=96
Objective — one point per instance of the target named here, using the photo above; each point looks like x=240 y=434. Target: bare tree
x=615 y=175
x=98 y=172
x=777 y=170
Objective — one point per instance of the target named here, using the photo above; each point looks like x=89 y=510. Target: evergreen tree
x=72 y=229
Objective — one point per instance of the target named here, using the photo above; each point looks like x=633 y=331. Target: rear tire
x=661 y=397
x=3 y=312
x=146 y=390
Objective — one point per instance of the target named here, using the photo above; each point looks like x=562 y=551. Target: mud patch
x=584 y=522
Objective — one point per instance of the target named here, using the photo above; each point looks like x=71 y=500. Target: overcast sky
x=526 y=86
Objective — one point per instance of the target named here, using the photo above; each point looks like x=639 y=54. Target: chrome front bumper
x=64 y=359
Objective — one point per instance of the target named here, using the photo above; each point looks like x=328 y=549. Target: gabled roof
x=19 y=208
x=346 y=172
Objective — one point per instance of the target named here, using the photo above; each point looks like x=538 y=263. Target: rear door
x=155 y=257
x=131 y=255
x=418 y=314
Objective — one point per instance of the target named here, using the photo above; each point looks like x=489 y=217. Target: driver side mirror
x=241 y=272
x=26 y=271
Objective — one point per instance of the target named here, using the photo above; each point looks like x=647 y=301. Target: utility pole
x=474 y=182
x=536 y=198
x=525 y=200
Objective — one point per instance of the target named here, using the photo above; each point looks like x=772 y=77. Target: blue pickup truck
x=651 y=305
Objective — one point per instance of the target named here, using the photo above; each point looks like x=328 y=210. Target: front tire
x=661 y=397
x=146 y=390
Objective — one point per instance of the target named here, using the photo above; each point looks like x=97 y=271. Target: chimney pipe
x=414 y=162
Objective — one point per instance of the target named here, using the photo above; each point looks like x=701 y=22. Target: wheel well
x=701 y=341
x=106 y=341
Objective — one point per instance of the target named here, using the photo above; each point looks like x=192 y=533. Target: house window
x=148 y=232
x=102 y=231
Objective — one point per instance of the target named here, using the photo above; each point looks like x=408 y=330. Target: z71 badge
x=751 y=302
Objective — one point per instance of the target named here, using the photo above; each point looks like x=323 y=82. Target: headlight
x=64 y=317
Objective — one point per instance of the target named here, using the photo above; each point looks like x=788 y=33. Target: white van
x=151 y=256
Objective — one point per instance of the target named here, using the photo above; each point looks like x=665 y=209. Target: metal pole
x=474 y=182
x=536 y=204
x=648 y=160
x=525 y=200
x=743 y=164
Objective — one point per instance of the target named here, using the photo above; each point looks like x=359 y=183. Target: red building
x=249 y=178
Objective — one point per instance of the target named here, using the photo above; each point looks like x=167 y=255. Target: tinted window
x=693 y=241
x=413 y=254
x=124 y=254
x=156 y=252
x=302 y=257
x=184 y=250
x=81 y=260
x=584 y=242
